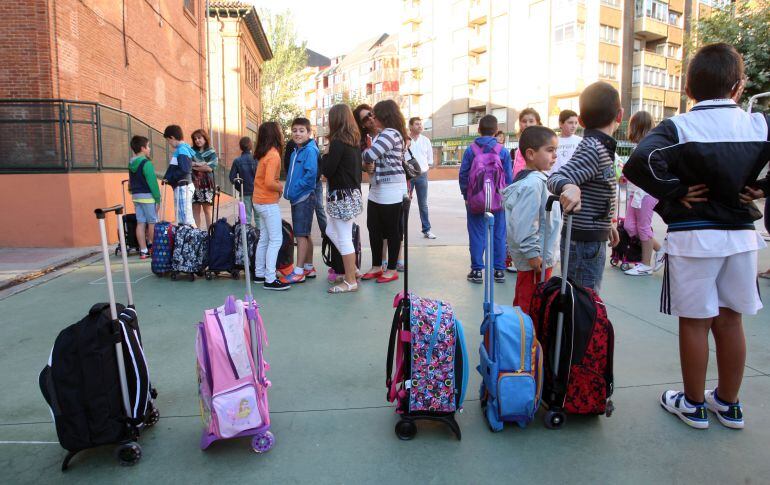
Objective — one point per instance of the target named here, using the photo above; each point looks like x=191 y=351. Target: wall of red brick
x=26 y=50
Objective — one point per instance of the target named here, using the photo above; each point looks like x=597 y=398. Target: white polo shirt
x=422 y=151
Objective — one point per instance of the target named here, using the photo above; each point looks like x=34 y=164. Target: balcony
x=673 y=99
x=478 y=73
x=408 y=63
x=478 y=43
x=477 y=12
x=411 y=87
x=478 y=96
x=412 y=39
x=651 y=59
x=650 y=29
x=411 y=14
x=675 y=35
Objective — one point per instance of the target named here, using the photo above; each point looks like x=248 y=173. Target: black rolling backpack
x=331 y=255
x=96 y=382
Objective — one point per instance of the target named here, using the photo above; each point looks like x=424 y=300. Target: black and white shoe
x=499 y=276
x=475 y=276
x=692 y=414
x=277 y=285
x=258 y=279
x=729 y=414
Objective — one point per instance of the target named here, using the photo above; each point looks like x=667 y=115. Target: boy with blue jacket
x=179 y=174
x=476 y=227
x=300 y=190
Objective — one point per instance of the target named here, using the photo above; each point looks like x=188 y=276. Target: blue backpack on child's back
x=511 y=360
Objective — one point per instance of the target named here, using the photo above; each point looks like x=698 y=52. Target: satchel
x=411 y=167
x=344 y=204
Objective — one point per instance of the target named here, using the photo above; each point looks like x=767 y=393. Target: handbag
x=344 y=204
x=411 y=167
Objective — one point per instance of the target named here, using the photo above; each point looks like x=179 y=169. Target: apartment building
x=306 y=98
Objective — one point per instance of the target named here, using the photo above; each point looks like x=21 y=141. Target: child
x=528 y=117
x=525 y=215
x=702 y=166
x=568 y=140
x=301 y=179
x=143 y=185
x=476 y=226
x=638 y=221
x=179 y=174
x=587 y=186
x=267 y=192
x=245 y=168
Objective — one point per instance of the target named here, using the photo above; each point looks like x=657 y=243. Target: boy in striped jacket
x=703 y=167
x=586 y=185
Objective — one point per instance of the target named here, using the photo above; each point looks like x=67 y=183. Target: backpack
x=331 y=255
x=191 y=250
x=252 y=239
x=285 y=261
x=221 y=246
x=162 y=247
x=486 y=174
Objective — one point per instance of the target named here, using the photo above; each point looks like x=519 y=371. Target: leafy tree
x=280 y=76
x=745 y=25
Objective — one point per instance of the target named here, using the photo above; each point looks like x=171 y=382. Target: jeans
x=251 y=213
x=302 y=216
x=320 y=215
x=421 y=184
x=183 y=203
x=586 y=263
x=477 y=238
x=270 y=239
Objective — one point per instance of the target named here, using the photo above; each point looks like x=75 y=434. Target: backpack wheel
x=610 y=408
x=554 y=419
x=235 y=274
x=613 y=262
x=406 y=429
x=209 y=275
x=152 y=418
x=128 y=454
x=262 y=443
x=173 y=275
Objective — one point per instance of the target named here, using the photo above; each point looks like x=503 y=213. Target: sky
x=334 y=27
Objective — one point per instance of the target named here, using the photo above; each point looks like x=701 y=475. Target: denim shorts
x=302 y=216
x=586 y=262
x=145 y=213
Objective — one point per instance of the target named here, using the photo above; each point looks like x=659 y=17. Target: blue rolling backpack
x=511 y=360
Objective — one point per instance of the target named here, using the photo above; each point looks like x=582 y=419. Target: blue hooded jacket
x=302 y=173
x=487 y=143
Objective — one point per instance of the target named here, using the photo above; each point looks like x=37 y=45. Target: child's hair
x=357 y=116
x=269 y=136
x=413 y=120
x=599 y=105
x=245 y=144
x=138 y=142
x=639 y=125
x=173 y=131
x=342 y=125
x=530 y=111
x=390 y=116
x=535 y=137
x=714 y=72
x=487 y=125
x=301 y=122
x=565 y=115
x=206 y=140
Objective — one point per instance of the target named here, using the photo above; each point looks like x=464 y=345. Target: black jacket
x=342 y=166
x=717 y=144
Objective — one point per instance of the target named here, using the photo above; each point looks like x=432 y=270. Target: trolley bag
x=427 y=346
x=331 y=255
x=162 y=240
x=221 y=257
x=96 y=382
x=232 y=383
x=629 y=250
x=285 y=262
x=129 y=226
x=578 y=342
x=252 y=239
x=191 y=251
x=510 y=357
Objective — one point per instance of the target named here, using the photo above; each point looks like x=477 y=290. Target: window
x=652 y=8
x=611 y=3
x=609 y=34
x=675 y=18
x=669 y=50
x=674 y=82
x=501 y=114
x=568 y=32
x=427 y=123
x=608 y=70
x=460 y=119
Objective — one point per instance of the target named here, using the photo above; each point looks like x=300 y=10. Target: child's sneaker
x=499 y=276
x=511 y=268
x=729 y=414
x=276 y=285
x=475 y=276
x=639 y=269
x=660 y=260
x=293 y=278
x=311 y=273
x=692 y=414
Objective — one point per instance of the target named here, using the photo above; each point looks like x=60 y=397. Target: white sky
x=334 y=27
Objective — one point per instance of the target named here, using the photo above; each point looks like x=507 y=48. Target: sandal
x=765 y=275
x=341 y=289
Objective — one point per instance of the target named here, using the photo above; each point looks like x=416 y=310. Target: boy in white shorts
x=703 y=167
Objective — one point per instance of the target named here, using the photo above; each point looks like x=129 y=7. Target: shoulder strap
x=477 y=150
x=497 y=149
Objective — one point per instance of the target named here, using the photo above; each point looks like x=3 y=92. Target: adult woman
x=342 y=168
x=204 y=163
x=383 y=161
x=364 y=116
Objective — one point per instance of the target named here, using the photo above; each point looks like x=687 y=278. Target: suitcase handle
x=405 y=205
x=100 y=212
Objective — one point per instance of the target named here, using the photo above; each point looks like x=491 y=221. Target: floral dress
x=204 y=181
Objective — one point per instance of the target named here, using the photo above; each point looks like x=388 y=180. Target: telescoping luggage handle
x=753 y=100
x=405 y=205
x=489 y=220
x=100 y=215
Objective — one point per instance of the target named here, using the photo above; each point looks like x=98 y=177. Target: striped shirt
x=387 y=152
x=592 y=168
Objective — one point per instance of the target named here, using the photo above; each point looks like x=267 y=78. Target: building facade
x=306 y=98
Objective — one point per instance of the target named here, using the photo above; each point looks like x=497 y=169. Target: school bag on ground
x=486 y=180
x=578 y=342
x=232 y=384
x=285 y=262
x=191 y=251
x=629 y=250
x=331 y=255
x=162 y=241
x=427 y=365
x=221 y=257
x=97 y=382
x=510 y=357
x=252 y=239
x=129 y=226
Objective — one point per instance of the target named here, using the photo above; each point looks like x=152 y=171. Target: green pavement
x=330 y=418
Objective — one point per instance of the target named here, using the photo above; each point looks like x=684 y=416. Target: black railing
x=59 y=136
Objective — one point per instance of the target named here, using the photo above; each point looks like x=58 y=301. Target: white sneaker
x=675 y=403
x=729 y=414
x=660 y=260
x=511 y=269
x=429 y=235
x=639 y=270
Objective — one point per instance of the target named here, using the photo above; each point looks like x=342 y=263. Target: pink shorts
x=638 y=222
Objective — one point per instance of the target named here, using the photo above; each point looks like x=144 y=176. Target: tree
x=745 y=25
x=280 y=76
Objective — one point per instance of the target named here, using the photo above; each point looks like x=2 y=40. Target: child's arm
x=465 y=168
x=332 y=159
x=582 y=167
x=312 y=167
x=505 y=157
x=648 y=166
x=184 y=163
x=272 y=171
x=152 y=180
x=235 y=173
x=526 y=223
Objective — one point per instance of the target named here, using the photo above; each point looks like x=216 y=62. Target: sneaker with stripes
x=693 y=415
x=729 y=414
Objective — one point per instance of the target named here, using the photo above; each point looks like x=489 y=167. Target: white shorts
x=698 y=287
